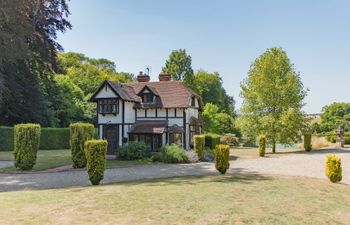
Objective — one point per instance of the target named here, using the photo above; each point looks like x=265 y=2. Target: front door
x=111 y=135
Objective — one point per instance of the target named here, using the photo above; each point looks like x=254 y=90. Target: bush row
x=171 y=154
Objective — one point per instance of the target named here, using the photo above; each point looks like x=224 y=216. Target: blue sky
x=223 y=36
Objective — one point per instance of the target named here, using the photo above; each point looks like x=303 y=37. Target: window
x=108 y=106
x=175 y=138
x=193 y=101
x=147 y=98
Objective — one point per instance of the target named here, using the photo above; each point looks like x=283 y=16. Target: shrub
x=209 y=154
x=26 y=145
x=222 y=155
x=333 y=168
x=262 y=145
x=6 y=138
x=134 y=150
x=332 y=138
x=95 y=152
x=79 y=133
x=307 y=142
x=199 y=145
x=229 y=139
x=347 y=140
x=211 y=140
x=54 y=138
x=192 y=156
x=171 y=154
x=248 y=142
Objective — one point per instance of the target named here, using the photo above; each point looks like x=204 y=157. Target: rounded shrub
x=222 y=154
x=95 y=152
x=262 y=145
x=199 y=145
x=26 y=145
x=307 y=142
x=171 y=154
x=333 y=168
x=134 y=150
x=79 y=133
x=229 y=139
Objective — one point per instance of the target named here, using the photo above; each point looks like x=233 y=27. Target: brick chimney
x=143 y=77
x=164 y=77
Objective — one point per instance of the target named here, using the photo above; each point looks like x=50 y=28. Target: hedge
x=26 y=145
x=222 y=154
x=333 y=168
x=262 y=145
x=79 y=133
x=211 y=140
x=199 y=145
x=50 y=138
x=134 y=150
x=307 y=142
x=95 y=152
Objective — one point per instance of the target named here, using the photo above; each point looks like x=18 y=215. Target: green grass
x=48 y=159
x=230 y=199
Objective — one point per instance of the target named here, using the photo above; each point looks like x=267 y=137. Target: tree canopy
x=273 y=99
x=335 y=115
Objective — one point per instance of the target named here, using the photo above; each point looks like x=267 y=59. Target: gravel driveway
x=299 y=164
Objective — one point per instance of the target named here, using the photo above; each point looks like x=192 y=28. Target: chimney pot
x=164 y=77
x=143 y=77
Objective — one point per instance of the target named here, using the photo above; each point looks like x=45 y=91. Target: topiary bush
x=333 y=168
x=229 y=139
x=95 y=152
x=307 y=142
x=134 y=150
x=171 y=154
x=262 y=145
x=79 y=133
x=199 y=145
x=211 y=140
x=26 y=145
x=222 y=154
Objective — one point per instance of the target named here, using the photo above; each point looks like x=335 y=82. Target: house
x=157 y=113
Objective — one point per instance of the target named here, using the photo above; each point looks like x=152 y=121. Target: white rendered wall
x=106 y=92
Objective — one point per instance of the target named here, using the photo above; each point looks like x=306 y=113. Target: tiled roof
x=149 y=127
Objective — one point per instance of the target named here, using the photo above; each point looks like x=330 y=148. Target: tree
x=273 y=99
x=179 y=67
x=209 y=86
x=334 y=115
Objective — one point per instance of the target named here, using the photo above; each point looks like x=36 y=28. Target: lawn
x=48 y=159
x=234 y=199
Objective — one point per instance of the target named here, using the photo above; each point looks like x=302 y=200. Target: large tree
x=179 y=66
x=273 y=99
x=335 y=115
x=28 y=56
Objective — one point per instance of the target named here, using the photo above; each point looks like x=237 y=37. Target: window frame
x=108 y=106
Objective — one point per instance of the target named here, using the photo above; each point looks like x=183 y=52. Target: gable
x=106 y=92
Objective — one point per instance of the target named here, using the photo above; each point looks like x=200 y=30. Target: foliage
x=332 y=138
x=26 y=145
x=222 y=154
x=335 y=115
x=28 y=56
x=79 y=133
x=273 y=97
x=179 y=67
x=333 y=168
x=262 y=145
x=199 y=145
x=6 y=138
x=307 y=142
x=211 y=140
x=134 y=150
x=95 y=151
x=192 y=156
x=209 y=154
x=249 y=142
x=171 y=154
x=229 y=139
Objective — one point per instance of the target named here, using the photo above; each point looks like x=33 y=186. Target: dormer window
x=108 y=106
x=193 y=101
x=147 y=98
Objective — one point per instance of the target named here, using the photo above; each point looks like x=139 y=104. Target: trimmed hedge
x=134 y=150
x=79 y=133
x=307 y=142
x=171 y=154
x=199 y=145
x=222 y=154
x=333 y=168
x=211 y=140
x=95 y=152
x=262 y=145
x=26 y=145
x=50 y=138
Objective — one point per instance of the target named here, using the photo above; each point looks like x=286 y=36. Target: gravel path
x=302 y=164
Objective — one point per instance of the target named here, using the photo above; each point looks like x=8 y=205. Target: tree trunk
x=273 y=146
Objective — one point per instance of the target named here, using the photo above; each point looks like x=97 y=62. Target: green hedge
x=262 y=145
x=50 y=138
x=211 y=140
x=95 y=152
x=26 y=145
x=333 y=168
x=79 y=133
x=199 y=145
x=222 y=156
